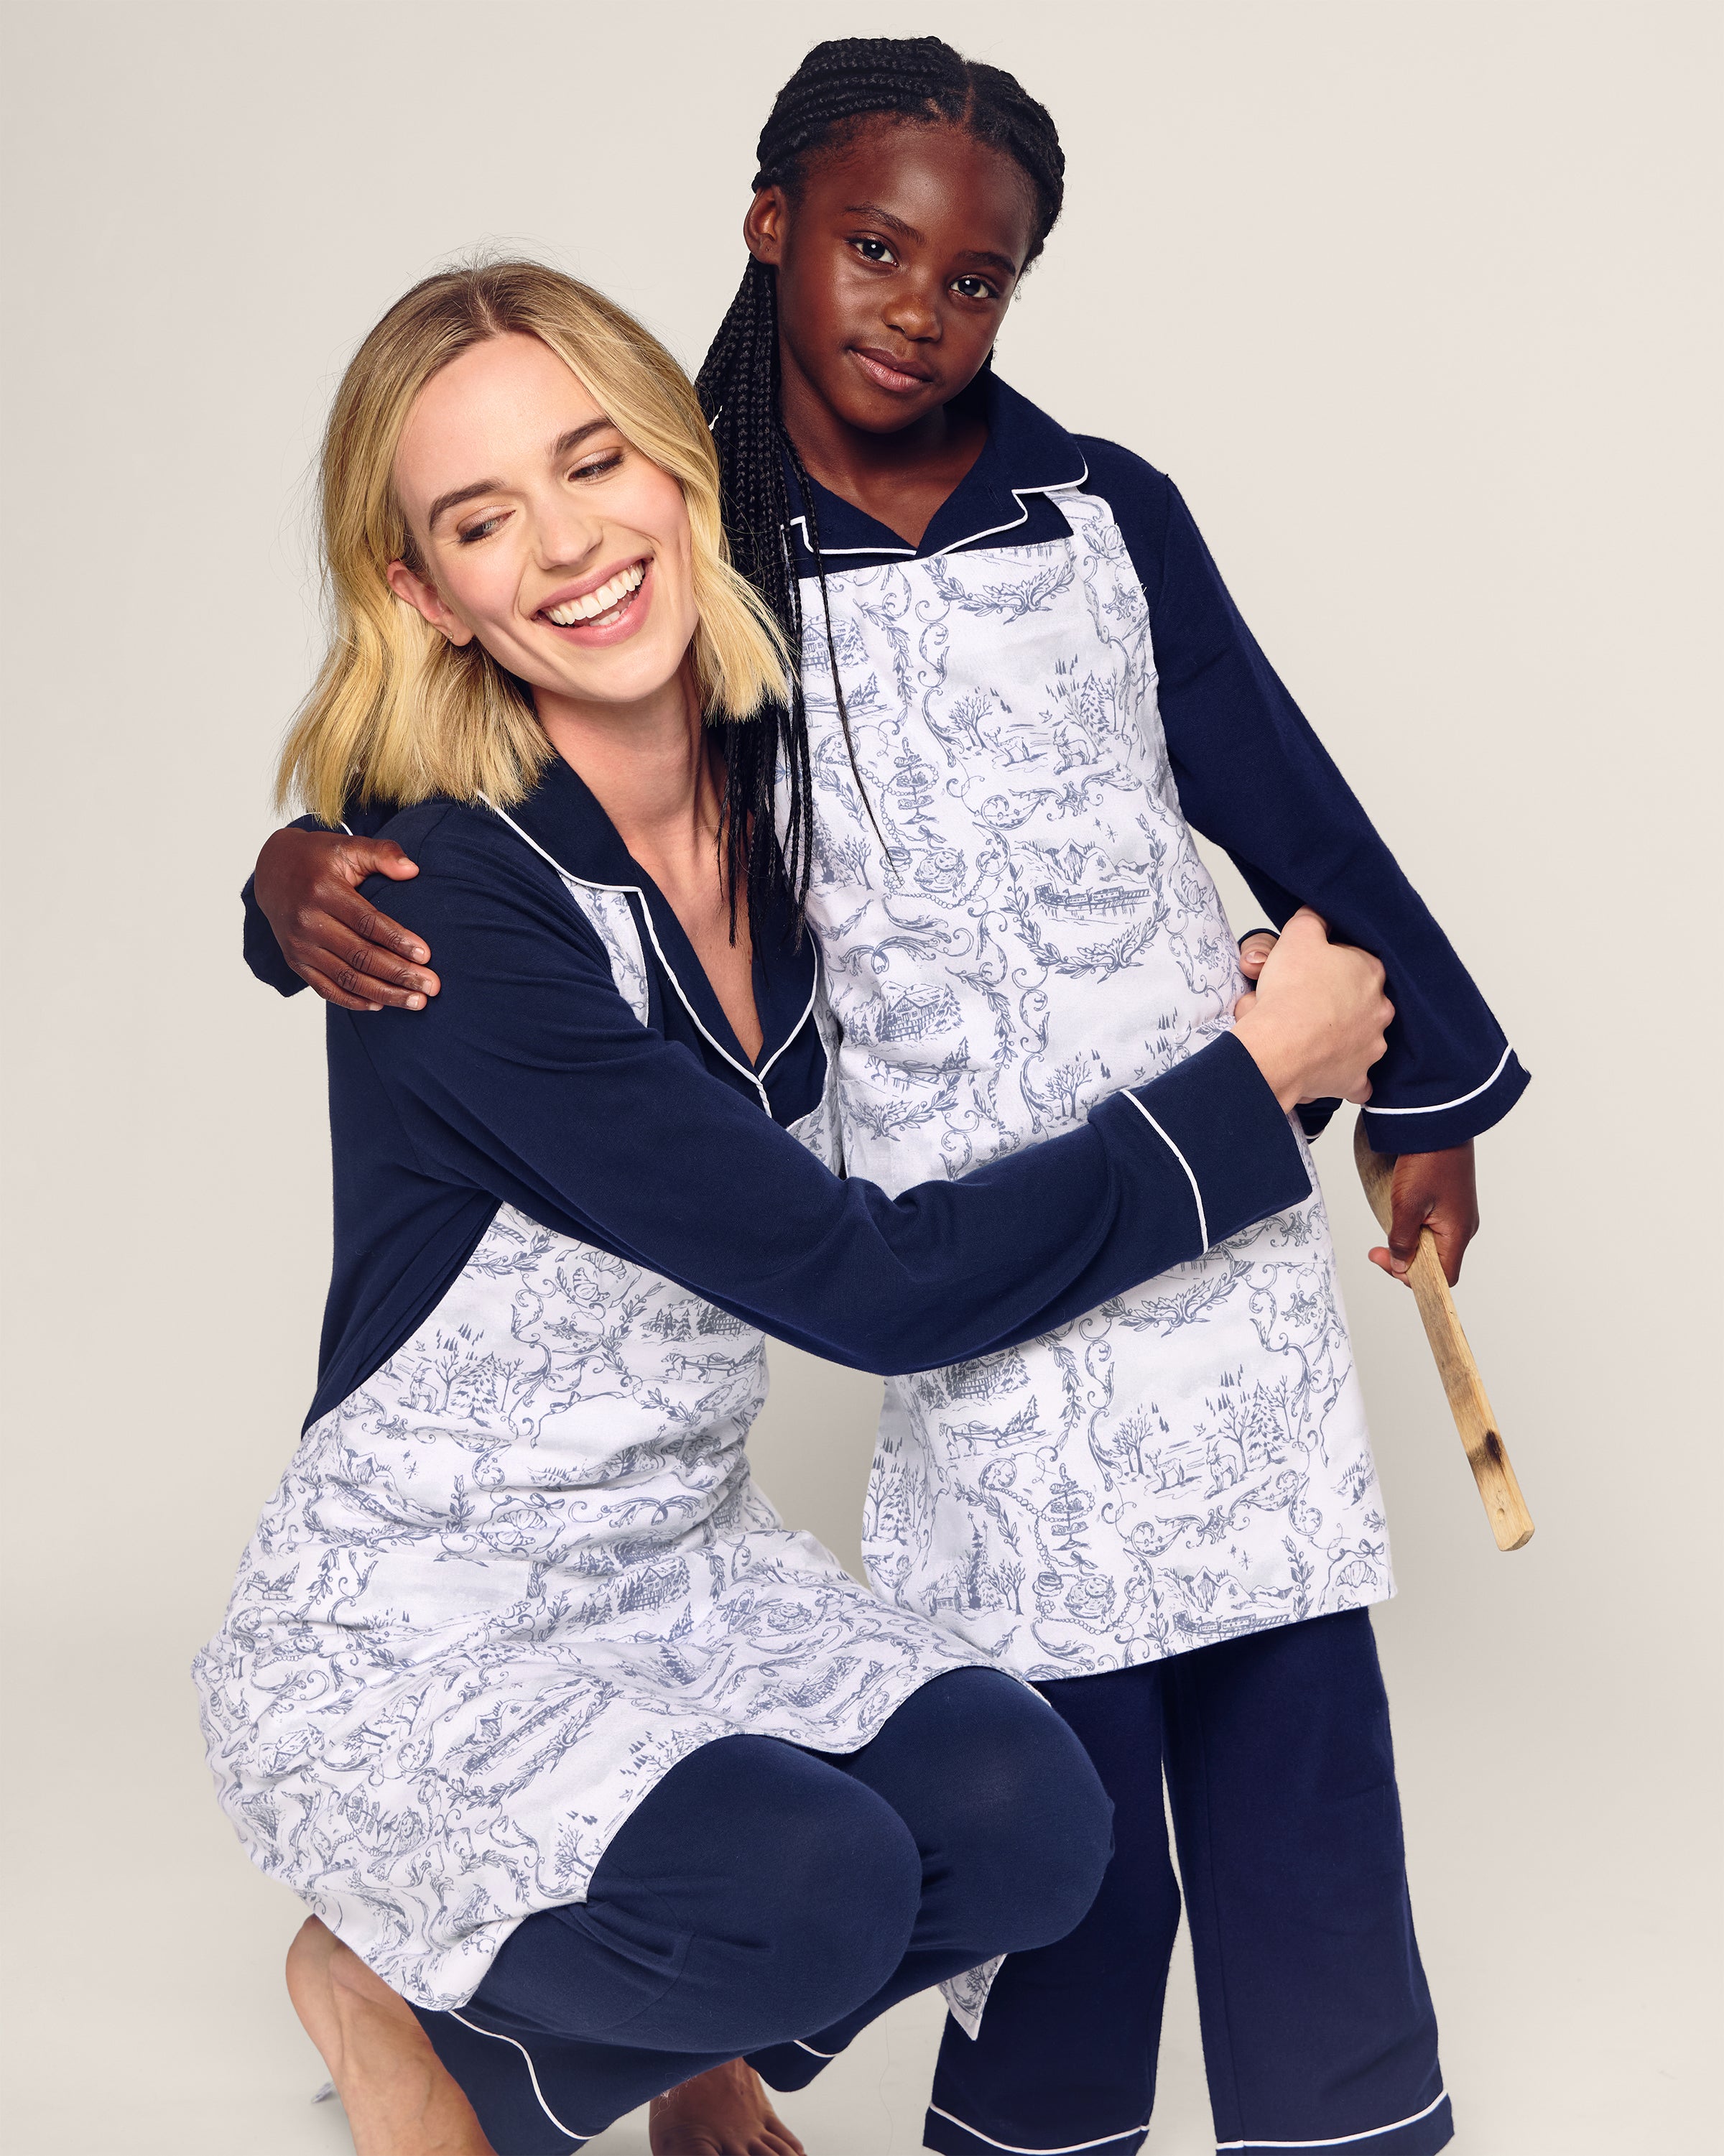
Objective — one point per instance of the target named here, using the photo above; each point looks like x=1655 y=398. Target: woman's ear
x=424 y=598
x=764 y=227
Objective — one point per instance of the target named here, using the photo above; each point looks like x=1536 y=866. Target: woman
x=516 y=1583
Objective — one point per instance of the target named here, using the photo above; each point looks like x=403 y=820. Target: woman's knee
x=798 y=1890
x=1007 y=1799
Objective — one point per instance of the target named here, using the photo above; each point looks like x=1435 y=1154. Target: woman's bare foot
x=398 y=2096
x=723 y=2113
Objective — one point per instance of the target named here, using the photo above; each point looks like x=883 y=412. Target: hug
x=793 y=785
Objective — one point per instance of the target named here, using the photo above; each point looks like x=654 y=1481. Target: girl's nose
x=913 y=310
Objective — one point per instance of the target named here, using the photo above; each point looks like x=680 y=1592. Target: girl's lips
x=874 y=365
x=622 y=622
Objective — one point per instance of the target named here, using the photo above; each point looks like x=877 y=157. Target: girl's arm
x=305 y=921
x=533 y=1082
x=1253 y=776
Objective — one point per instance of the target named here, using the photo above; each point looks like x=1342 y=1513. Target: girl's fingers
x=382 y=857
x=330 y=993
x=346 y=906
x=1386 y=1259
x=364 y=977
x=349 y=938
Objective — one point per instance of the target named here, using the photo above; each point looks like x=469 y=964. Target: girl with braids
x=1022 y=686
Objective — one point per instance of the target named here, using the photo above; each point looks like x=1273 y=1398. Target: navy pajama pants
x=1318 y=2033
x=760 y=1893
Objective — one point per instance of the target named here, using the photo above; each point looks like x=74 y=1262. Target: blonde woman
x=515 y=1583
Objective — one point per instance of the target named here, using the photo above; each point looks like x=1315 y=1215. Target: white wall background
x=1415 y=301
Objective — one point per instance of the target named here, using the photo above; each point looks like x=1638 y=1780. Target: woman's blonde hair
x=398 y=713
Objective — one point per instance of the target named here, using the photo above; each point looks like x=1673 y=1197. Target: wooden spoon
x=1510 y=1521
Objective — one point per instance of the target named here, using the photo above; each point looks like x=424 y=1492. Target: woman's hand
x=1434 y=1190
x=1315 y=1023
x=307 y=888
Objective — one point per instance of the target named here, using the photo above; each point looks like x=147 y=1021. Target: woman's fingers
x=1253 y=950
x=1244 y=1002
x=1386 y=1259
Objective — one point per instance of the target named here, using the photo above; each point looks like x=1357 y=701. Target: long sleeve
x=1254 y=777
x=530 y=1079
x=258 y=944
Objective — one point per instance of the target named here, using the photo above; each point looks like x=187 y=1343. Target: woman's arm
x=533 y=1082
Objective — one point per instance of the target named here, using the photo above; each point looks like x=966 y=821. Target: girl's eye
x=974 y=288
x=482 y=530
x=873 y=250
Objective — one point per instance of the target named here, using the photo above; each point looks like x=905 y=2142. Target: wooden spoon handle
x=1510 y=1522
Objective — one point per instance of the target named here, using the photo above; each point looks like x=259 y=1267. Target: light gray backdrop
x=1413 y=300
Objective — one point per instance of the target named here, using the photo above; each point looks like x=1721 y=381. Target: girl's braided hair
x=841 y=84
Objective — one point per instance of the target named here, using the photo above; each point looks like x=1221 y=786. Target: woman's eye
x=482 y=530
x=973 y=287
x=873 y=250
x=598 y=467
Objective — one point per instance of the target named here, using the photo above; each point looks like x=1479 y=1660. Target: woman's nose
x=566 y=534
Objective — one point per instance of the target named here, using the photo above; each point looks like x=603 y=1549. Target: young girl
x=1023 y=683
x=515 y=1583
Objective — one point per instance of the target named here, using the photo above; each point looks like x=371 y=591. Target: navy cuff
x=1392 y=1128
x=261 y=952
x=1216 y=1113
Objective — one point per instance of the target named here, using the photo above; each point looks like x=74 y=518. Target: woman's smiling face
x=540 y=530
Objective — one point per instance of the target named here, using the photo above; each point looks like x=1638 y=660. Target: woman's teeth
x=623 y=585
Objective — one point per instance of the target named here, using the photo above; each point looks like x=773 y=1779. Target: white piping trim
x=1016 y=2148
x=829 y=550
x=497 y=2036
x=992 y=531
x=760 y=1074
x=586 y=883
x=1435 y=1108
x=810 y=2049
x=1342 y=2140
x=1054 y=486
x=1202 y=1217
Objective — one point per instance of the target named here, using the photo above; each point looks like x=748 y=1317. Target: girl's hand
x=1315 y=1023
x=307 y=889
x=1434 y=1190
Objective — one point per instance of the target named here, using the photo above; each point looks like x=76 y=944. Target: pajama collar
x=1003 y=498
x=562 y=819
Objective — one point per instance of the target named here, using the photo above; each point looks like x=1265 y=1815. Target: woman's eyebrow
x=560 y=446
x=576 y=435
x=457 y=495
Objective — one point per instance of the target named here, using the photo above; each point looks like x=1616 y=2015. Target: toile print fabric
x=512 y=1579
x=1013 y=921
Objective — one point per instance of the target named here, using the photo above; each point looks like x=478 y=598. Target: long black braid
x=839 y=85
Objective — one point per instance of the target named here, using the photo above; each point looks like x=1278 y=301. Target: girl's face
x=543 y=533
x=895 y=265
